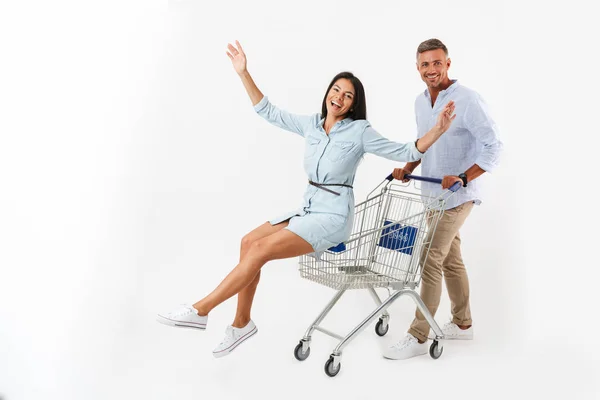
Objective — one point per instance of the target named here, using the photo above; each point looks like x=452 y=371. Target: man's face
x=433 y=67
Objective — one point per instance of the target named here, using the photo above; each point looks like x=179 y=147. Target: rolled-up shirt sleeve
x=282 y=119
x=479 y=122
x=376 y=144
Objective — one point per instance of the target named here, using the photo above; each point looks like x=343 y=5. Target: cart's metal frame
x=389 y=244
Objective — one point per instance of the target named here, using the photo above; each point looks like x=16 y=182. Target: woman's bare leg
x=246 y=295
x=279 y=245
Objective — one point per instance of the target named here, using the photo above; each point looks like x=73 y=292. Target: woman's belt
x=322 y=186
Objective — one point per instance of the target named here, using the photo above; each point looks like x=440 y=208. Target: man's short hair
x=431 y=44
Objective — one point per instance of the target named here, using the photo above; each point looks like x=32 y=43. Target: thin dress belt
x=322 y=186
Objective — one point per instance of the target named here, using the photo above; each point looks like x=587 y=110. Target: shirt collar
x=343 y=122
x=449 y=90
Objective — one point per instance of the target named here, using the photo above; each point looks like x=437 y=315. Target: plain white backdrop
x=132 y=164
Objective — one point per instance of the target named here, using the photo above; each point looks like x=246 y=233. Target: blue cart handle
x=452 y=188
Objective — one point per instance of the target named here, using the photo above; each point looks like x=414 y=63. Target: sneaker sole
x=432 y=337
x=224 y=352
x=392 y=357
x=181 y=324
x=451 y=338
x=458 y=338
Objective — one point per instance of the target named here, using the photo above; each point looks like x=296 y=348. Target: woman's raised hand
x=446 y=117
x=238 y=57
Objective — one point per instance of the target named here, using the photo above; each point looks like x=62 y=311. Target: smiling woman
x=335 y=142
x=345 y=98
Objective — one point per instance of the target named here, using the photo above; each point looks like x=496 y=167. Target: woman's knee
x=247 y=241
x=259 y=250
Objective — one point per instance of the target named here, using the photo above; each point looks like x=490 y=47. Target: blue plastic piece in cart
x=339 y=248
x=398 y=237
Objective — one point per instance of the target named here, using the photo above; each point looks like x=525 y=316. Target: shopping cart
x=388 y=246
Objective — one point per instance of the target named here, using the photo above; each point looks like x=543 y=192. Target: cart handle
x=452 y=188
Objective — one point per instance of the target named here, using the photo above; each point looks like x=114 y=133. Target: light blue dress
x=325 y=219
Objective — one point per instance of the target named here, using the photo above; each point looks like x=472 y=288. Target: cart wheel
x=436 y=350
x=301 y=356
x=329 y=370
x=380 y=328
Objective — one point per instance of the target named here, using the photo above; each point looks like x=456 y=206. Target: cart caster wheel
x=436 y=350
x=329 y=370
x=380 y=328
x=300 y=356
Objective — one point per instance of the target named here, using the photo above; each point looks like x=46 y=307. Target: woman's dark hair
x=358 y=110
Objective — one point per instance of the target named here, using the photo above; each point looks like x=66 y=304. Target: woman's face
x=340 y=98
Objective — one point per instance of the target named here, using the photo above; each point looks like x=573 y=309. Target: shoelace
x=229 y=335
x=405 y=342
x=448 y=326
x=184 y=310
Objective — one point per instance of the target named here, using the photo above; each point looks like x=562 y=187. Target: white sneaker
x=406 y=348
x=185 y=316
x=452 y=331
x=233 y=338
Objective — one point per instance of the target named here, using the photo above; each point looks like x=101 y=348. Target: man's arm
x=478 y=121
x=473 y=172
x=481 y=125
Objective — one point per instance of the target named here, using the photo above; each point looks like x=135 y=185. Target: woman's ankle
x=201 y=311
x=240 y=322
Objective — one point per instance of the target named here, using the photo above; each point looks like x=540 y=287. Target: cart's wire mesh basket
x=388 y=245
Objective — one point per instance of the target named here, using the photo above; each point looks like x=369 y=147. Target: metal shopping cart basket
x=388 y=246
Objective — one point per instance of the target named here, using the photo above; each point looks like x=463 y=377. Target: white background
x=131 y=164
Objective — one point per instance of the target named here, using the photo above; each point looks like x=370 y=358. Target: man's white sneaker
x=185 y=316
x=406 y=348
x=233 y=338
x=452 y=331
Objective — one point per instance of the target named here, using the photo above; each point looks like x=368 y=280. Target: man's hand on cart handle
x=450 y=180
